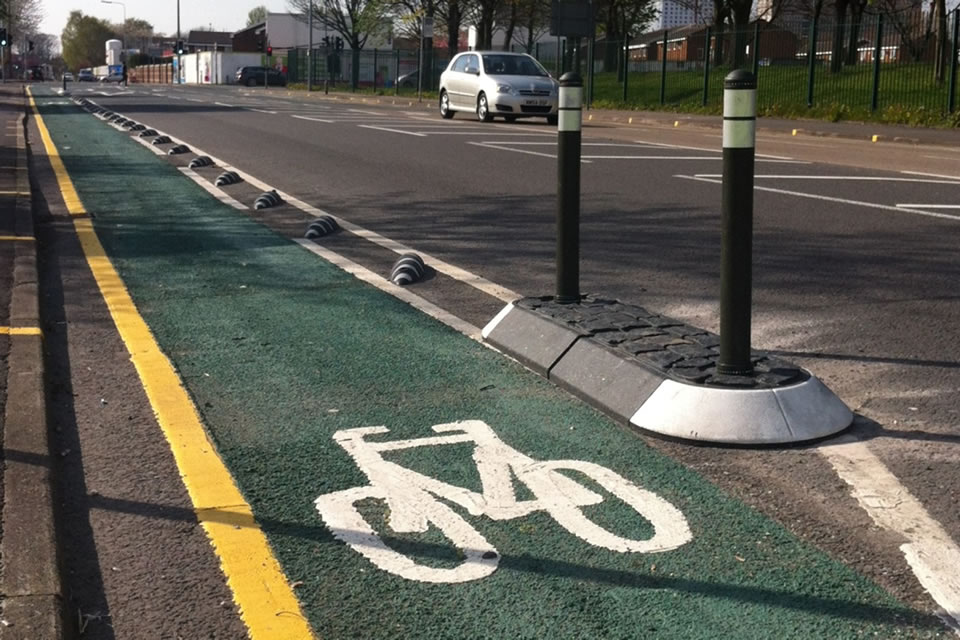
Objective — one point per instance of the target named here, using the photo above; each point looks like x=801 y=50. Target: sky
x=221 y=15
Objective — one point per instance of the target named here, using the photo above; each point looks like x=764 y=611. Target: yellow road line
x=20 y=331
x=266 y=601
x=70 y=197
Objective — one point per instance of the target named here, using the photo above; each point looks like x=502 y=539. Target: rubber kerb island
x=661 y=375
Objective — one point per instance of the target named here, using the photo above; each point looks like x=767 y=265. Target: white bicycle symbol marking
x=413 y=504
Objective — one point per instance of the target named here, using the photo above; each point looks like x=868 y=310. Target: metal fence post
x=706 y=67
x=736 y=249
x=663 y=71
x=756 y=49
x=626 y=67
x=877 y=50
x=568 y=188
x=590 y=65
x=954 y=52
x=374 y=69
x=396 y=76
x=812 y=60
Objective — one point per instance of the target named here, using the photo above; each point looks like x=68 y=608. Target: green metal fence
x=384 y=70
x=879 y=61
x=903 y=60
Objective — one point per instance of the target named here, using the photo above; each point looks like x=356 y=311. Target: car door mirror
x=473 y=71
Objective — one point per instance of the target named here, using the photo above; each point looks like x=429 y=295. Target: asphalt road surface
x=855 y=269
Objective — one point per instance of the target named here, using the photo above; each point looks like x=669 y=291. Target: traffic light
x=3 y=37
x=326 y=41
x=179 y=47
x=29 y=45
x=269 y=50
x=260 y=43
x=339 y=43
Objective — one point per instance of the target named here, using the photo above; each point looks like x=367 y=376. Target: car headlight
x=505 y=88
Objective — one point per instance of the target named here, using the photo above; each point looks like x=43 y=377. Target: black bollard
x=568 y=188
x=736 y=249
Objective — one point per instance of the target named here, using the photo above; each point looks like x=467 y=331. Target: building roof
x=220 y=38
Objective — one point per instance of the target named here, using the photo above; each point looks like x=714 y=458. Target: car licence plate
x=539 y=103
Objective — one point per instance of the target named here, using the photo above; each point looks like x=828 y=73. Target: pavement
x=30 y=584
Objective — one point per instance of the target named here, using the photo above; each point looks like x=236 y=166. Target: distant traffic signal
x=3 y=37
x=339 y=43
x=30 y=45
x=260 y=44
x=326 y=41
x=269 y=51
x=179 y=47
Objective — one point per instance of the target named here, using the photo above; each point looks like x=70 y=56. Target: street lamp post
x=123 y=30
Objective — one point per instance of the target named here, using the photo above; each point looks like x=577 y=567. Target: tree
x=257 y=15
x=137 y=34
x=83 y=39
x=355 y=20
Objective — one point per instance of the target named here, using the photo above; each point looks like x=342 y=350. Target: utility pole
x=310 y=51
x=179 y=70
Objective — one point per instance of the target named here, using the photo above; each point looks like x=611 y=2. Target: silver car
x=497 y=83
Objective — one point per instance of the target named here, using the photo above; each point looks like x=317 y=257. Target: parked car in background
x=85 y=75
x=68 y=76
x=254 y=76
x=497 y=83
x=113 y=77
x=409 y=80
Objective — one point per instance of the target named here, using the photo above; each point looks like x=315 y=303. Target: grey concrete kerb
x=30 y=579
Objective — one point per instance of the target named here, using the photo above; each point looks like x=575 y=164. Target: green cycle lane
x=281 y=350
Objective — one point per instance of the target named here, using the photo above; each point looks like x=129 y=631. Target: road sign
x=428 y=26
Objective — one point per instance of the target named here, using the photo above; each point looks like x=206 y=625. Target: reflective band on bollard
x=736 y=248
x=568 y=188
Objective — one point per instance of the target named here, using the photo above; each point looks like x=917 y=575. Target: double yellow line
x=265 y=599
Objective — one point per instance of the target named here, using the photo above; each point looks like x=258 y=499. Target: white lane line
x=362 y=273
x=224 y=104
x=855 y=178
x=930 y=206
x=462 y=275
x=312 y=119
x=369 y=113
x=714 y=150
x=931 y=175
x=143 y=141
x=711 y=158
x=477 y=133
x=273 y=113
x=524 y=151
x=859 y=203
x=212 y=189
x=409 y=133
x=931 y=553
x=193 y=99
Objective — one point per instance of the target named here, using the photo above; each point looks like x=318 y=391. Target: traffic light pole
x=179 y=70
x=310 y=51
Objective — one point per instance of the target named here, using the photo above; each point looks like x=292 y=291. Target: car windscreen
x=502 y=65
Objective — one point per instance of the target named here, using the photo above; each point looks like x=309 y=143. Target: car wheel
x=510 y=118
x=552 y=119
x=445 y=111
x=251 y=82
x=483 y=109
